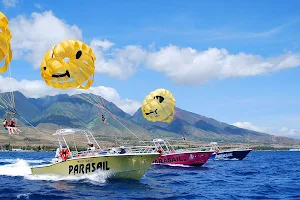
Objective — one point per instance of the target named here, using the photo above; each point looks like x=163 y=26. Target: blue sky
x=265 y=100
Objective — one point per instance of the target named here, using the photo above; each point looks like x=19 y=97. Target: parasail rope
x=11 y=105
x=37 y=130
x=100 y=106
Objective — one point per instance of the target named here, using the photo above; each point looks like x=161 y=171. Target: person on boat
x=217 y=150
x=57 y=152
x=57 y=157
x=122 y=150
x=91 y=147
x=160 y=150
x=113 y=151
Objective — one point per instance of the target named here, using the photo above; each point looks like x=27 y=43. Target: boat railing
x=87 y=152
x=235 y=149
x=114 y=150
x=140 y=149
x=195 y=149
x=132 y=149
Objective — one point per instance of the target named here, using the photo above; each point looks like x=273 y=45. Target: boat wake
x=17 y=167
x=178 y=165
x=20 y=167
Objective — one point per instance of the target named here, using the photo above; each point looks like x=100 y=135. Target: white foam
x=19 y=168
x=93 y=178
x=178 y=165
x=26 y=195
x=173 y=165
x=22 y=168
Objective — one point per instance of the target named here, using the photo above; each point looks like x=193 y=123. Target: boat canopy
x=163 y=145
x=66 y=131
x=61 y=133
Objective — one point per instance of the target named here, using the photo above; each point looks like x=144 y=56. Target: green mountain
x=52 y=112
x=198 y=127
x=23 y=105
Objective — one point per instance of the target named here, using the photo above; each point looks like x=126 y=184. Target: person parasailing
x=6 y=101
x=11 y=127
x=103 y=118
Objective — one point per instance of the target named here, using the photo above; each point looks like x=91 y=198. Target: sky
x=237 y=62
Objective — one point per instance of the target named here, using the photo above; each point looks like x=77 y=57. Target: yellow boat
x=116 y=164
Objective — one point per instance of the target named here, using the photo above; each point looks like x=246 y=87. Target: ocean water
x=261 y=175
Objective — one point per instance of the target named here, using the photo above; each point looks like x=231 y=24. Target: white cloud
x=9 y=3
x=39 y=6
x=249 y=126
x=105 y=44
x=34 y=36
x=123 y=62
x=284 y=131
x=38 y=88
x=190 y=66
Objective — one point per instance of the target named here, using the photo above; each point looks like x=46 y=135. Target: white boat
x=131 y=165
x=294 y=149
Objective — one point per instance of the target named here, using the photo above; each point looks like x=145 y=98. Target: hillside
x=197 y=127
x=51 y=113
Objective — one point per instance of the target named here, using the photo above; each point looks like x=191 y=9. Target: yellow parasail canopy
x=159 y=106
x=5 y=37
x=70 y=64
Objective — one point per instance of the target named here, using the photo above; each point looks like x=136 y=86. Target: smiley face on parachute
x=70 y=64
x=159 y=105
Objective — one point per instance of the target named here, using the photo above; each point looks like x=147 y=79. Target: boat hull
x=231 y=155
x=186 y=158
x=124 y=166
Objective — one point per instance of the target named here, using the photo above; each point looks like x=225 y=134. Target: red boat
x=181 y=156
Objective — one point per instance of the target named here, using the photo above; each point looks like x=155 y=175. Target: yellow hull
x=126 y=166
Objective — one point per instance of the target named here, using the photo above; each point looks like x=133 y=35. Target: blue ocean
x=261 y=175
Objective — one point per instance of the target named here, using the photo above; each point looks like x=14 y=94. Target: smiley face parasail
x=70 y=64
x=5 y=37
x=159 y=106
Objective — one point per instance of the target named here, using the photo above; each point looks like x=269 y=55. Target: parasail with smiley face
x=70 y=64
x=5 y=48
x=159 y=106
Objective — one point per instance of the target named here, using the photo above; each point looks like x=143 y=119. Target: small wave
x=22 y=168
x=99 y=177
x=19 y=168
x=23 y=196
